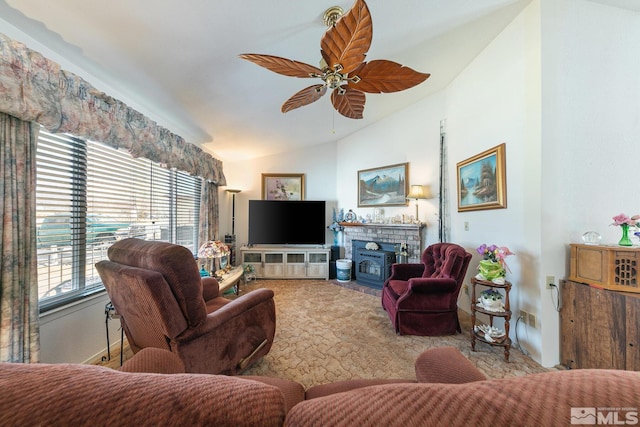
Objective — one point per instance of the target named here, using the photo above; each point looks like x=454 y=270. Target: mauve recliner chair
x=422 y=299
x=163 y=302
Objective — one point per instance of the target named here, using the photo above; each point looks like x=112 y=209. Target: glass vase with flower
x=625 y=222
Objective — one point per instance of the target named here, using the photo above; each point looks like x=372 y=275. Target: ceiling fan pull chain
x=333 y=124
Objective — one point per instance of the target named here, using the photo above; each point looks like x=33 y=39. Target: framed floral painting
x=482 y=182
x=282 y=186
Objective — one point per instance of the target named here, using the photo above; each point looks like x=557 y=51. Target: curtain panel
x=36 y=89
x=209 y=215
x=19 y=327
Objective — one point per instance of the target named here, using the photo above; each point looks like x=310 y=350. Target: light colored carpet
x=327 y=332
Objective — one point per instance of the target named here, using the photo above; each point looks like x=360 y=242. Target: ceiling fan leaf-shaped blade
x=282 y=66
x=350 y=103
x=348 y=42
x=304 y=97
x=382 y=76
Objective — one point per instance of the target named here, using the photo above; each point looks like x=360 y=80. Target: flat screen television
x=287 y=222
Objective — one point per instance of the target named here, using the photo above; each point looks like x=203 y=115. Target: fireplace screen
x=372 y=268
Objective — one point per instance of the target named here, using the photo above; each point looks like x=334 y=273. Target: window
x=88 y=196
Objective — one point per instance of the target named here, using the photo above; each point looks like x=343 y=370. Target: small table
x=232 y=278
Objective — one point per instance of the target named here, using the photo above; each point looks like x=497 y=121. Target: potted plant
x=249 y=272
x=493 y=267
x=491 y=299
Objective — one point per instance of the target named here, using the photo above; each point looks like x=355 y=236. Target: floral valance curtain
x=35 y=89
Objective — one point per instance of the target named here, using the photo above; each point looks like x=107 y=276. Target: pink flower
x=624 y=219
x=495 y=253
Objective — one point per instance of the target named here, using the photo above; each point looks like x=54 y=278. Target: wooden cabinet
x=599 y=327
x=504 y=313
x=287 y=262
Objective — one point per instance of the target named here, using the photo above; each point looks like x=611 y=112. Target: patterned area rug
x=326 y=331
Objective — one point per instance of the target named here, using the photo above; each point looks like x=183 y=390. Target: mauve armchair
x=422 y=299
x=163 y=302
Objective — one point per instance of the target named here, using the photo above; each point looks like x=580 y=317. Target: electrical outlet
x=465 y=289
x=551 y=280
x=466 y=226
x=532 y=320
x=523 y=315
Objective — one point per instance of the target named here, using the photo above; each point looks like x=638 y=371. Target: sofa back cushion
x=545 y=399
x=176 y=264
x=87 y=395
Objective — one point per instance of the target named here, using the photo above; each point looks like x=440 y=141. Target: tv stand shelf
x=287 y=262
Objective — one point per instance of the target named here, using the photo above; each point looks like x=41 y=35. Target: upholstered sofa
x=447 y=391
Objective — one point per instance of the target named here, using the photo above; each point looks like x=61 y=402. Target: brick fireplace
x=411 y=234
x=371 y=268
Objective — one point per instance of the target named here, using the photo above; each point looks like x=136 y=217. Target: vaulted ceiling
x=177 y=61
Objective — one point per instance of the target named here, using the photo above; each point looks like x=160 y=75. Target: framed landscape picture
x=482 y=182
x=282 y=186
x=383 y=186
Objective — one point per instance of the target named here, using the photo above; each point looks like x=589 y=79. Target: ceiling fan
x=343 y=69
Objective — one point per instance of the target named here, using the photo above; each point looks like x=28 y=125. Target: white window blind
x=88 y=196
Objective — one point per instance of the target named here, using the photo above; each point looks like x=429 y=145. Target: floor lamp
x=418 y=192
x=231 y=239
x=233 y=209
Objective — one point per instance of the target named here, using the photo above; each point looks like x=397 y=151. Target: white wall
x=77 y=334
x=412 y=135
x=495 y=100
x=591 y=123
x=317 y=163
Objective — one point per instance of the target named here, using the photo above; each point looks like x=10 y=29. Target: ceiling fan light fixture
x=344 y=45
x=333 y=80
x=331 y=15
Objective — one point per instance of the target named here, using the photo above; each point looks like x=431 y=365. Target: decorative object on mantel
x=493 y=266
x=402 y=254
x=491 y=300
x=625 y=222
x=213 y=249
x=371 y=246
x=419 y=192
x=336 y=227
x=350 y=216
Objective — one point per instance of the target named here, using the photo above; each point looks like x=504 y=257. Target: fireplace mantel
x=411 y=234
x=378 y=225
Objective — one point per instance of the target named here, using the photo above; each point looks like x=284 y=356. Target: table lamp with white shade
x=418 y=192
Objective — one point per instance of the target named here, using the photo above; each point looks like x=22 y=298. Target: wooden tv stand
x=287 y=262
